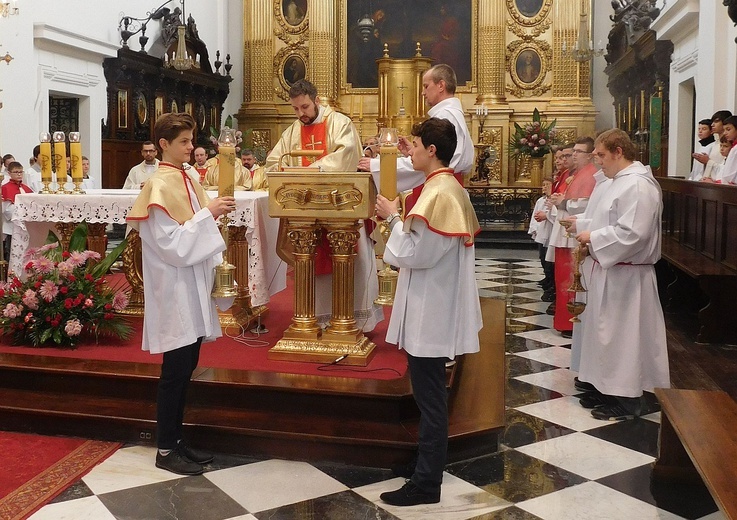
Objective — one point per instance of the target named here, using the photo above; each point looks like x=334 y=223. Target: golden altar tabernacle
x=310 y=203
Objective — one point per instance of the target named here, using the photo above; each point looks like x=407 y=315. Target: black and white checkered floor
x=556 y=461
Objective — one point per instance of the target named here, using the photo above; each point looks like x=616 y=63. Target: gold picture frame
x=541 y=8
x=189 y=108
x=529 y=63
x=291 y=15
x=142 y=109
x=158 y=107
x=201 y=117
x=122 y=109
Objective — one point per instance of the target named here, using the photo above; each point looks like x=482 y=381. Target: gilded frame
x=122 y=109
x=280 y=63
x=543 y=52
x=284 y=24
x=524 y=20
x=158 y=107
x=344 y=23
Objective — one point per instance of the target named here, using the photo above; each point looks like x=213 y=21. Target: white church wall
x=602 y=98
x=58 y=48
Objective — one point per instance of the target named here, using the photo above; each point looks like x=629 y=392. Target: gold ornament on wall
x=535 y=32
x=291 y=15
x=290 y=65
x=529 y=64
x=529 y=12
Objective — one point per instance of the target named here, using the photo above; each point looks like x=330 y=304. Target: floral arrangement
x=63 y=297
x=534 y=139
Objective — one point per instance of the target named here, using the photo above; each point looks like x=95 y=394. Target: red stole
x=411 y=199
x=560 y=185
x=313 y=138
x=202 y=171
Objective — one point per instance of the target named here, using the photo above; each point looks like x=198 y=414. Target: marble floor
x=556 y=462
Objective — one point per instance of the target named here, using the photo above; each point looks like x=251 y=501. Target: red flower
x=37 y=285
x=29 y=265
x=88 y=277
x=63 y=289
x=72 y=278
x=109 y=315
x=68 y=303
x=65 y=254
x=108 y=306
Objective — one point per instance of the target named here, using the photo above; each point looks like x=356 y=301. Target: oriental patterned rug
x=36 y=468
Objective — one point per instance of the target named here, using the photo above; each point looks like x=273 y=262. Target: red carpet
x=388 y=363
x=36 y=468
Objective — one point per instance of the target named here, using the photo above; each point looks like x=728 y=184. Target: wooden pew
x=700 y=243
x=698 y=438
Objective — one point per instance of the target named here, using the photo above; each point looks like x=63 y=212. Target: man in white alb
x=141 y=172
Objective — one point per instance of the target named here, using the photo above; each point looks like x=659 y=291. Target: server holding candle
x=181 y=245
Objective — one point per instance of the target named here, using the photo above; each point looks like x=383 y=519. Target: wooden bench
x=699 y=244
x=698 y=438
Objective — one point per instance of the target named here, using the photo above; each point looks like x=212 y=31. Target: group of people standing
x=607 y=208
x=715 y=157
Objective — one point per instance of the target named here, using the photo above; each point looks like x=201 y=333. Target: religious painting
x=189 y=108
x=528 y=66
x=214 y=117
x=201 y=116
x=158 y=107
x=529 y=8
x=142 y=109
x=174 y=107
x=294 y=69
x=122 y=109
x=294 y=11
x=443 y=29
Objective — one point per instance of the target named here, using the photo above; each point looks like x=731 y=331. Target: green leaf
x=536 y=116
x=104 y=265
x=78 y=240
x=51 y=238
x=57 y=335
x=228 y=122
x=45 y=335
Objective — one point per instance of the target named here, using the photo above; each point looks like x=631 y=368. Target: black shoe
x=405 y=470
x=595 y=399
x=548 y=296
x=568 y=334
x=198 y=456
x=583 y=385
x=410 y=495
x=613 y=412
x=551 y=309
x=175 y=463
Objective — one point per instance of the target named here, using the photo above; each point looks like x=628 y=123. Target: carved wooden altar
x=311 y=203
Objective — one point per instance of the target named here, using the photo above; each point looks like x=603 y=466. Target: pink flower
x=48 y=290
x=77 y=258
x=88 y=303
x=43 y=265
x=523 y=141
x=73 y=327
x=93 y=255
x=12 y=311
x=120 y=301
x=65 y=269
x=28 y=317
x=30 y=299
x=542 y=142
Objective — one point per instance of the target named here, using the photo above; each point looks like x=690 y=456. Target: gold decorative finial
x=386 y=50
x=418 y=49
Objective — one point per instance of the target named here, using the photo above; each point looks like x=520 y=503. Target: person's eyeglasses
x=18 y=172
x=567 y=155
x=581 y=151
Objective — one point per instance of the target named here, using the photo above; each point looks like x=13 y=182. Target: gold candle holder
x=44 y=158
x=388 y=141
x=225 y=272
x=60 y=161
x=574 y=306
x=75 y=152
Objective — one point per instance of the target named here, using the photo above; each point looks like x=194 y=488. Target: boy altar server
x=181 y=245
x=437 y=313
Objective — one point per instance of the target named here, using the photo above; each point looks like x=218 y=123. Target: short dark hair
x=567 y=146
x=618 y=138
x=15 y=165
x=36 y=151
x=247 y=151
x=8 y=156
x=721 y=115
x=438 y=132
x=723 y=139
x=85 y=158
x=443 y=72
x=146 y=143
x=170 y=125
x=303 y=87
x=588 y=141
x=706 y=122
x=731 y=120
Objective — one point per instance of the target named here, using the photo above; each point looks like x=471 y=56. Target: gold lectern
x=309 y=202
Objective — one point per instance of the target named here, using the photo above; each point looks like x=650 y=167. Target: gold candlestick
x=225 y=272
x=75 y=152
x=44 y=157
x=388 y=140
x=60 y=160
x=576 y=307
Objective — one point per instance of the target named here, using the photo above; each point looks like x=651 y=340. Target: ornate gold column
x=304 y=236
x=133 y=267
x=323 y=49
x=96 y=239
x=240 y=313
x=258 y=32
x=491 y=45
x=343 y=237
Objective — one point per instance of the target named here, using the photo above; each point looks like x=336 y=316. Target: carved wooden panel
x=690 y=217
x=729 y=235
x=709 y=221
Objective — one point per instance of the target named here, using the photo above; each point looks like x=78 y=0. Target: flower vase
x=536 y=170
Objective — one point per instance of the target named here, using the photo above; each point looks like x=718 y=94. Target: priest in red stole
x=319 y=127
x=572 y=201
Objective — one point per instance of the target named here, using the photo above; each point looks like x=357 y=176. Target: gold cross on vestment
x=312 y=142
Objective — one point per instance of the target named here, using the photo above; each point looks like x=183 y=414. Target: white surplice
x=462 y=160
x=624 y=345
x=178 y=267
x=436 y=311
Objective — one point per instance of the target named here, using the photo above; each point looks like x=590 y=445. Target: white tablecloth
x=36 y=214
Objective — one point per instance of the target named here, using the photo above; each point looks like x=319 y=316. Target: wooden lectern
x=310 y=202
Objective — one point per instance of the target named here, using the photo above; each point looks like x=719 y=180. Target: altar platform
x=303 y=416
